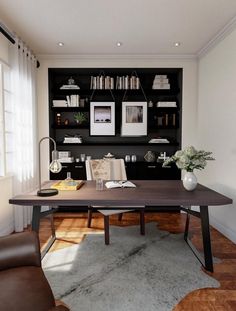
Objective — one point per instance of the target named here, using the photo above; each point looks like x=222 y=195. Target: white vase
x=190 y=181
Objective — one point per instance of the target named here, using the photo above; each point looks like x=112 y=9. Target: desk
x=148 y=192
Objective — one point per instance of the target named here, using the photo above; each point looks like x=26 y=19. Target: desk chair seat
x=110 y=170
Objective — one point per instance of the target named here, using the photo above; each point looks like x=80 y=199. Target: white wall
x=217 y=127
x=6 y=210
x=189 y=89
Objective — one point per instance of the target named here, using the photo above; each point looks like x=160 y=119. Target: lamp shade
x=55 y=166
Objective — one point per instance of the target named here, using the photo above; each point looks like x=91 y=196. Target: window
x=6 y=121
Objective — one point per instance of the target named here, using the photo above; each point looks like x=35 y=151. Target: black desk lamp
x=55 y=167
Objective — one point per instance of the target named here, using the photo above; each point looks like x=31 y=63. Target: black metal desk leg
x=205 y=260
x=206 y=238
x=187 y=225
x=36 y=218
x=37 y=215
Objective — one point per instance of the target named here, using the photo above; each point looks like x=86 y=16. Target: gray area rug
x=134 y=273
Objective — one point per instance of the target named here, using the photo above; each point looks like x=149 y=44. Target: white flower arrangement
x=189 y=159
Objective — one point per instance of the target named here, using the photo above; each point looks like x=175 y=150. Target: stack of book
x=167 y=104
x=66 y=160
x=73 y=100
x=64 y=154
x=72 y=139
x=161 y=82
x=59 y=103
x=65 y=157
x=102 y=83
x=127 y=83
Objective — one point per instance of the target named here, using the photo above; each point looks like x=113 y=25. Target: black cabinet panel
x=152 y=171
x=136 y=170
x=77 y=171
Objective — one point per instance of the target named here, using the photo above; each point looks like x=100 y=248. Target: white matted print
x=102 y=119
x=134 y=119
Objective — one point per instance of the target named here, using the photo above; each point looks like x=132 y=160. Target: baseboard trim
x=229 y=233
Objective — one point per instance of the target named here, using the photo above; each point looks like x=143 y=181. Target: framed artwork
x=134 y=119
x=102 y=119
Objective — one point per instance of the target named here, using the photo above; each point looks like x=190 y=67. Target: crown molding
x=223 y=33
x=116 y=56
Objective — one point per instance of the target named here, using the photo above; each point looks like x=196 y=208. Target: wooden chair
x=110 y=170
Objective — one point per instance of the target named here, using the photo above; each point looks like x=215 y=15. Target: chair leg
x=106 y=230
x=142 y=222
x=90 y=215
x=120 y=216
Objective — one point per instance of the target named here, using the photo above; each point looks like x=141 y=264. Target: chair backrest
x=106 y=169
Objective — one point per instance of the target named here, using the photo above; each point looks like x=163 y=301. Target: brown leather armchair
x=23 y=285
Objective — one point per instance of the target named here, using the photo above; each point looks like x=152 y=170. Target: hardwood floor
x=72 y=228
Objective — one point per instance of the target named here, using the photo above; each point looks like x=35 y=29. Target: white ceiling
x=94 y=26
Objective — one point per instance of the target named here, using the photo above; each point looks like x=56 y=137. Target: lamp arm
x=54 y=143
x=50 y=138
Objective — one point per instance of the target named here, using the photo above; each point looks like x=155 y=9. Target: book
x=161 y=80
x=119 y=184
x=59 y=103
x=159 y=141
x=66 y=160
x=68 y=185
x=160 y=76
x=161 y=86
x=72 y=139
x=167 y=104
x=64 y=154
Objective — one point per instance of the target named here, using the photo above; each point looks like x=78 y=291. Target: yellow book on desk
x=68 y=185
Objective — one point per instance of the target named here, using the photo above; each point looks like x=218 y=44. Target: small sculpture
x=109 y=156
x=150 y=156
x=71 y=81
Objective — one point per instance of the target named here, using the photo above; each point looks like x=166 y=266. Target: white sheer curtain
x=23 y=70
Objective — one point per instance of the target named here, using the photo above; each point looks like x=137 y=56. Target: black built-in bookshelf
x=164 y=122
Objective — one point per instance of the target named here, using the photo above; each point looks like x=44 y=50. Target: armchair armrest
x=60 y=308
x=21 y=249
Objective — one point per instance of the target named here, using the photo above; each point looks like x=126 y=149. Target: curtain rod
x=10 y=37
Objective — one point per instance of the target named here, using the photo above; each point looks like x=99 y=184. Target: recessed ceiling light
x=60 y=43
x=119 y=43
x=177 y=44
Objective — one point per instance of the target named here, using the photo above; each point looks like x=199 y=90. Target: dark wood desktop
x=148 y=192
